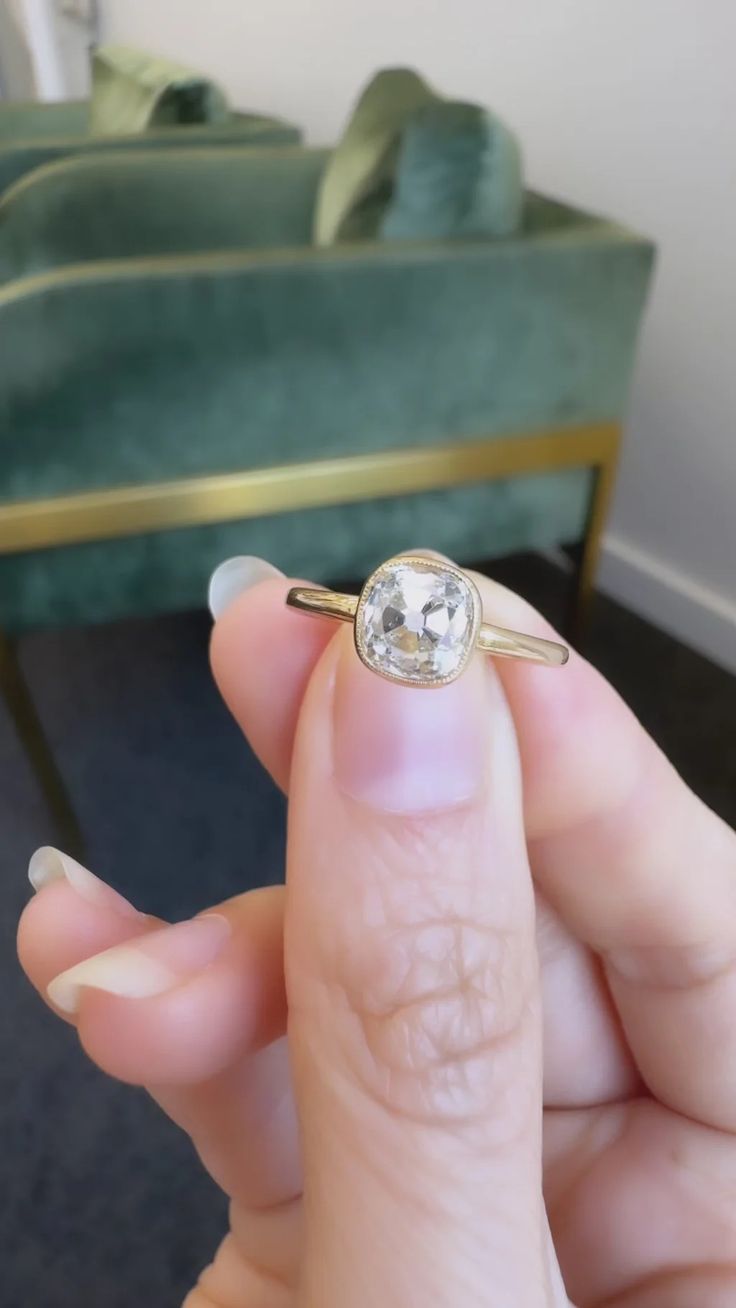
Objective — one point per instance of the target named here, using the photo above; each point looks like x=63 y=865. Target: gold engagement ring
x=418 y=620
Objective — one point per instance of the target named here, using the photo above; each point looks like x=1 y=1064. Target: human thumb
x=413 y=996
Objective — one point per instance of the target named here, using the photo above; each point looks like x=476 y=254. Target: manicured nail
x=150 y=966
x=49 y=864
x=233 y=578
x=406 y=750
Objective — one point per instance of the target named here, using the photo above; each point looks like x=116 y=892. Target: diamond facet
x=417 y=621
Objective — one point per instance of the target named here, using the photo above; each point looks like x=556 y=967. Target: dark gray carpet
x=103 y=1205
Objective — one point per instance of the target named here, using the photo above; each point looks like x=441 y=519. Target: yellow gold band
x=498 y=641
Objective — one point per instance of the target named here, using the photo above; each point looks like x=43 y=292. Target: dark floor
x=103 y=1205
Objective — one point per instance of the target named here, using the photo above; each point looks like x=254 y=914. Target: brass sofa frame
x=121 y=511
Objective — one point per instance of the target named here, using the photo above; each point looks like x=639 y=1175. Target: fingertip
x=58 y=927
x=234 y=578
x=507 y=608
x=183 y=1037
x=580 y=744
x=49 y=865
x=187 y=1001
x=262 y=655
x=249 y=621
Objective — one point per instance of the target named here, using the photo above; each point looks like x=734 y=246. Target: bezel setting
x=463 y=647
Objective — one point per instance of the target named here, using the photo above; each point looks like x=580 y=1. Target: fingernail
x=233 y=578
x=150 y=966
x=49 y=864
x=406 y=750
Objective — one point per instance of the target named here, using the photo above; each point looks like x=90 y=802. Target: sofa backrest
x=32 y=120
x=136 y=203
x=20 y=157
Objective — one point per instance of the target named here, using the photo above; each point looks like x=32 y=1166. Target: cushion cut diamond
x=416 y=621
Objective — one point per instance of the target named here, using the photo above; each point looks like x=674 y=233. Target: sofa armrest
x=141 y=203
x=141 y=371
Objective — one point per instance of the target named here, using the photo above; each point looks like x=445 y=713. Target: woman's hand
x=433 y=1008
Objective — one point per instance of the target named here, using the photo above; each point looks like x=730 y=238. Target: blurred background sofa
x=317 y=356
x=138 y=99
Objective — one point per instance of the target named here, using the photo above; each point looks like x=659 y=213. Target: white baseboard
x=699 y=617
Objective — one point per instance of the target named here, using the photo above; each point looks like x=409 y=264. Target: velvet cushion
x=458 y=174
x=412 y=166
x=133 y=90
x=358 y=179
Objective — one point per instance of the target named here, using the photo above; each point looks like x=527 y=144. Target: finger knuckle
x=439 y=1009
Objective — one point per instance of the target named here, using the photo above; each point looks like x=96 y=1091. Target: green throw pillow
x=132 y=91
x=458 y=174
x=413 y=166
x=359 y=176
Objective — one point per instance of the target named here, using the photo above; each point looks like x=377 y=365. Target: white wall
x=44 y=49
x=627 y=106
x=17 y=73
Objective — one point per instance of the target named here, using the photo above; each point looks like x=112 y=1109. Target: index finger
x=636 y=865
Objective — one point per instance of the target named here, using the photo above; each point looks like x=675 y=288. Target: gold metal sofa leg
x=588 y=557
x=17 y=695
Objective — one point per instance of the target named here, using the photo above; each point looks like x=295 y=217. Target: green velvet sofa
x=126 y=365
x=123 y=365
x=186 y=375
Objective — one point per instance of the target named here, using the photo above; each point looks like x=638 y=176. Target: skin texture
x=499 y=996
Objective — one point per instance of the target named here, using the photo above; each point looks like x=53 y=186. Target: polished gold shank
x=499 y=641
x=323 y=603
x=505 y=644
